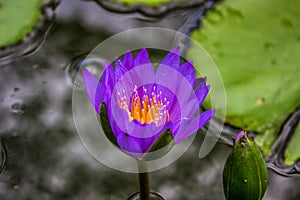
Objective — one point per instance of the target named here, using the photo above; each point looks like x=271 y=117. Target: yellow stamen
x=146 y=109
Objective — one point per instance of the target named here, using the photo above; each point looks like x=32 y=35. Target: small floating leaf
x=256 y=48
x=17 y=18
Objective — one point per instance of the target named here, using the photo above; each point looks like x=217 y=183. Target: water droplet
x=18 y=108
x=287 y=24
x=94 y=64
x=215 y=16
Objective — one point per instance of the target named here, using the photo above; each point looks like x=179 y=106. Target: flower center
x=147 y=108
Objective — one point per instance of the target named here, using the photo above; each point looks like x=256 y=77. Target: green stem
x=144 y=184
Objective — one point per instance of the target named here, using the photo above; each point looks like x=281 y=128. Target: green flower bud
x=245 y=174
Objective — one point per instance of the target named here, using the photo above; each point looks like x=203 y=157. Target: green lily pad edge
x=17 y=18
x=150 y=3
x=256 y=48
x=292 y=152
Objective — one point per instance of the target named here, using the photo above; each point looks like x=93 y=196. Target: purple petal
x=146 y=143
x=188 y=71
x=135 y=78
x=108 y=79
x=205 y=117
x=114 y=127
x=201 y=93
x=189 y=127
x=128 y=61
x=120 y=69
x=123 y=66
x=199 y=83
x=120 y=117
x=172 y=59
x=187 y=113
x=190 y=108
x=94 y=89
x=135 y=146
x=142 y=58
x=144 y=74
x=129 y=145
x=170 y=78
x=174 y=105
x=139 y=130
x=242 y=133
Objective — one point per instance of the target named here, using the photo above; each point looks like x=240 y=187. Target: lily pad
x=292 y=152
x=255 y=45
x=17 y=18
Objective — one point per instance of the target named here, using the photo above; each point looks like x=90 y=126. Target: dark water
x=42 y=156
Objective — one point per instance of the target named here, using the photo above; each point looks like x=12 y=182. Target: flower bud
x=245 y=174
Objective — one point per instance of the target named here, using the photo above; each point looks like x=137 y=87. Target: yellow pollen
x=146 y=109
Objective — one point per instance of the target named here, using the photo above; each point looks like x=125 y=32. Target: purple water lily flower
x=142 y=104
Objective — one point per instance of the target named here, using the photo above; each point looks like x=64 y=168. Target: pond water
x=42 y=155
